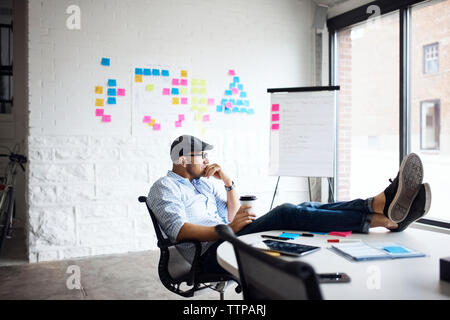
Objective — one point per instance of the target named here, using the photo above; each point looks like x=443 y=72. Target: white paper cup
x=250 y=201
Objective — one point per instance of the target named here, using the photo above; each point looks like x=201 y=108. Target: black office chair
x=174 y=270
x=264 y=277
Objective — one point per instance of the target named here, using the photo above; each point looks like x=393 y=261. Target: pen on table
x=276 y=238
x=343 y=240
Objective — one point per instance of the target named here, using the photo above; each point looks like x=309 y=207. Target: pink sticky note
x=276 y=126
x=147 y=119
x=231 y=73
x=99 y=112
x=275 y=107
x=157 y=127
x=106 y=118
x=341 y=233
x=210 y=102
x=184 y=82
x=235 y=91
x=206 y=118
x=276 y=117
x=121 y=92
x=229 y=105
x=177 y=124
x=166 y=92
x=184 y=100
x=175 y=82
x=181 y=117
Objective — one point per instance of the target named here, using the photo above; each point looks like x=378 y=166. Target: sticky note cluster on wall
x=179 y=122
x=152 y=123
x=140 y=73
x=275 y=114
x=235 y=100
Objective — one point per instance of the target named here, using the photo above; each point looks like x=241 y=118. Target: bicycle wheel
x=6 y=219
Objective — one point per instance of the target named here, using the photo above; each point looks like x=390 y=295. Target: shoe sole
x=409 y=181
x=428 y=199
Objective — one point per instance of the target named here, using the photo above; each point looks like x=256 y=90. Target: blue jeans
x=353 y=216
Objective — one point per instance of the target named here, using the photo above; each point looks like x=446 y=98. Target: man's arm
x=191 y=231
x=233 y=203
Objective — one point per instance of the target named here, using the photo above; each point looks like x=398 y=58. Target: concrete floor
x=132 y=276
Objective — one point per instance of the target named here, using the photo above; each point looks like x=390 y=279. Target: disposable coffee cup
x=250 y=201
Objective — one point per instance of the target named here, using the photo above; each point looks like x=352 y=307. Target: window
x=431 y=58
x=6 y=76
x=429 y=125
x=422 y=123
x=368 y=114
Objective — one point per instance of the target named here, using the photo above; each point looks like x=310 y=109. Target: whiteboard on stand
x=302 y=132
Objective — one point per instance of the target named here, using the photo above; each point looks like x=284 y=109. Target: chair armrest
x=195 y=262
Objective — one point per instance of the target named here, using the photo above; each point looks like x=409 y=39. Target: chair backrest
x=172 y=266
x=264 y=277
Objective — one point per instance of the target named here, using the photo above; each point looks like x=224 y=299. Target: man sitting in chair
x=188 y=206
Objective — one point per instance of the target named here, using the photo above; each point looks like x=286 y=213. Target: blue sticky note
x=251 y=111
x=239 y=103
x=395 y=249
x=228 y=111
x=236 y=80
x=321 y=233
x=165 y=73
x=290 y=235
x=219 y=109
x=175 y=91
x=106 y=62
x=243 y=110
x=112 y=92
x=240 y=87
x=228 y=93
x=112 y=83
x=235 y=109
x=147 y=72
x=246 y=103
x=111 y=100
x=138 y=71
x=156 y=72
x=232 y=86
x=224 y=101
x=243 y=94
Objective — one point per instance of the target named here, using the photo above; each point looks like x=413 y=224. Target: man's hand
x=242 y=218
x=214 y=170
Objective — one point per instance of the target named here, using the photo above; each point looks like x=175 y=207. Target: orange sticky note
x=176 y=101
x=98 y=90
x=151 y=124
x=100 y=102
x=138 y=78
x=184 y=74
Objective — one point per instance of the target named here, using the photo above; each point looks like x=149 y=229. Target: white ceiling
x=330 y=3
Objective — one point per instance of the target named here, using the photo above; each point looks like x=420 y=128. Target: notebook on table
x=361 y=251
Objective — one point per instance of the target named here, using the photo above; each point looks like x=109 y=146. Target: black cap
x=187 y=144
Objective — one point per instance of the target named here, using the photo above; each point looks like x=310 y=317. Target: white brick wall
x=85 y=177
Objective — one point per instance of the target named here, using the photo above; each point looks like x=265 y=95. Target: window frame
x=361 y=14
x=424 y=59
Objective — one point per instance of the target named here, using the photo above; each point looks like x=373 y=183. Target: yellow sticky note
x=98 y=90
x=176 y=101
x=203 y=101
x=195 y=82
x=151 y=124
x=184 y=91
x=203 y=110
x=194 y=100
x=198 y=117
x=194 y=91
x=203 y=83
x=203 y=91
x=184 y=74
x=100 y=102
x=138 y=78
x=150 y=87
x=195 y=108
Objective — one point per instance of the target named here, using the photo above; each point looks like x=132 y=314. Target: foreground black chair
x=264 y=277
x=174 y=270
